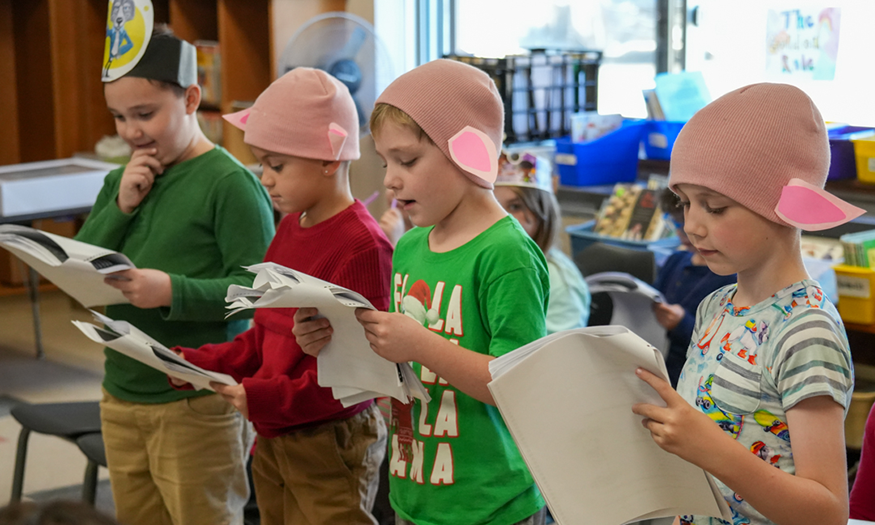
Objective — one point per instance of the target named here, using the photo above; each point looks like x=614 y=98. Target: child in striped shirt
x=769 y=361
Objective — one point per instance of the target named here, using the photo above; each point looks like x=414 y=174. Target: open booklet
x=347 y=364
x=124 y=337
x=567 y=399
x=75 y=267
x=632 y=301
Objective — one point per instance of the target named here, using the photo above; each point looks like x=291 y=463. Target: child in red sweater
x=315 y=461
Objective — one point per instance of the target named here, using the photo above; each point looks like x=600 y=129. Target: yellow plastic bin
x=856 y=287
x=864 y=151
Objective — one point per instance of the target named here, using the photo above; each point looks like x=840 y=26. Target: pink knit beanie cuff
x=459 y=108
x=305 y=113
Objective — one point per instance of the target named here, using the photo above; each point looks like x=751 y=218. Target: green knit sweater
x=201 y=222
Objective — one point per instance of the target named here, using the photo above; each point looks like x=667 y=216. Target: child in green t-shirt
x=468 y=285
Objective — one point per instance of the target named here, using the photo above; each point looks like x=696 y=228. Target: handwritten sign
x=802 y=43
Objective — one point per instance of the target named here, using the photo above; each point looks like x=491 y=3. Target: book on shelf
x=631 y=212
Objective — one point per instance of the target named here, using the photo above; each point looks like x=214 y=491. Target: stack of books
x=632 y=212
x=859 y=248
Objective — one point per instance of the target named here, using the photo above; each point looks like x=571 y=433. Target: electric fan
x=346 y=47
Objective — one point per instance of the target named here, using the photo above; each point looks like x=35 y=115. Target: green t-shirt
x=202 y=220
x=488 y=296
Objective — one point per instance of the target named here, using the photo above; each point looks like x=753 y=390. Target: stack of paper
x=75 y=267
x=567 y=400
x=632 y=301
x=347 y=364
x=127 y=339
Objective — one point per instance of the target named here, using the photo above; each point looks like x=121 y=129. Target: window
x=625 y=30
x=727 y=42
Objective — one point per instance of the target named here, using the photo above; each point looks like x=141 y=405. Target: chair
x=601 y=257
x=92 y=446
x=65 y=420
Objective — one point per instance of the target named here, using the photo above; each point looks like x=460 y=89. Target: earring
x=325 y=172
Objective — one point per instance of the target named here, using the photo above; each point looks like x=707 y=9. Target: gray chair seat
x=92 y=446
x=64 y=420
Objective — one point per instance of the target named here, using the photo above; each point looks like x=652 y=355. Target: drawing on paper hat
x=128 y=31
x=524 y=169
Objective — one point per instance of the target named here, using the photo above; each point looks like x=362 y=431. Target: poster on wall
x=802 y=43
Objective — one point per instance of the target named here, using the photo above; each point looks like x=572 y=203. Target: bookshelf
x=51 y=53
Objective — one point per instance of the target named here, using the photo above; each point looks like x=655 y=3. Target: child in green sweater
x=190 y=217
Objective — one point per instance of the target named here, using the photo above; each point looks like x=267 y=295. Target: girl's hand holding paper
x=679 y=428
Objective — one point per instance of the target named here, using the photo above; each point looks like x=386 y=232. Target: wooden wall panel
x=194 y=19
x=9 y=145
x=34 y=80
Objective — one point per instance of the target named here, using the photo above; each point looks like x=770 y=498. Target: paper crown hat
x=304 y=113
x=131 y=49
x=764 y=146
x=524 y=169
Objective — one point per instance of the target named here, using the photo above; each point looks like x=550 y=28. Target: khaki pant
x=178 y=463
x=324 y=475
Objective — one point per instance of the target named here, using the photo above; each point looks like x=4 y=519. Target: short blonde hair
x=384 y=113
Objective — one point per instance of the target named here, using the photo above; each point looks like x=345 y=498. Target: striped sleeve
x=812 y=358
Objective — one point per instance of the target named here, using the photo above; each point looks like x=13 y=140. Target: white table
x=45 y=190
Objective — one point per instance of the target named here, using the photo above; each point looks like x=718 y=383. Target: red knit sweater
x=282 y=393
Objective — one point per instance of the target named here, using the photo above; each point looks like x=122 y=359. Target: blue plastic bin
x=843 y=163
x=606 y=160
x=659 y=137
x=582 y=236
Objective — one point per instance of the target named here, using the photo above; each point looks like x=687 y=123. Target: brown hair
x=388 y=113
x=671 y=204
x=544 y=207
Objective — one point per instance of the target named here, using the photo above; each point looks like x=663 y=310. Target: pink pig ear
x=473 y=151
x=238 y=119
x=337 y=137
x=811 y=208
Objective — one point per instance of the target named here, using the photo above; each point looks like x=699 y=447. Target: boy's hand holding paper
x=346 y=364
x=144 y=288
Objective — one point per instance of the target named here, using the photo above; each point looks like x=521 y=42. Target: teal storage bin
x=581 y=236
x=606 y=160
x=659 y=137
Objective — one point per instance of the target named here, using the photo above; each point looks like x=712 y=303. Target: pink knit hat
x=304 y=113
x=764 y=146
x=459 y=108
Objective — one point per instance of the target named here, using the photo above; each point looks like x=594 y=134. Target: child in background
x=468 y=285
x=394 y=222
x=685 y=280
x=863 y=492
x=524 y=188
x=190 y=217
x=769 y=361
x=315 y=461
